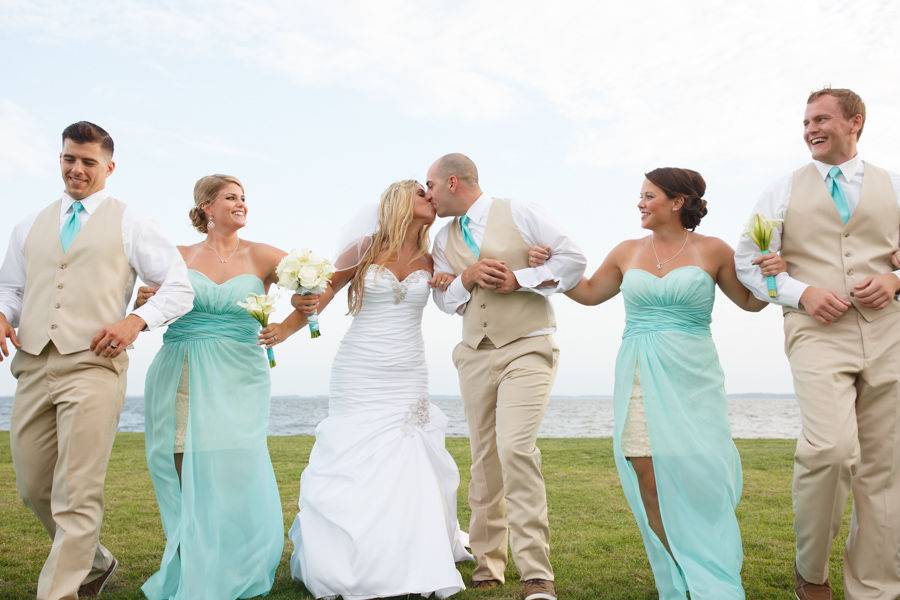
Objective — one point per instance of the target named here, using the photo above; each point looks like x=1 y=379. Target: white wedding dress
x=377 y=511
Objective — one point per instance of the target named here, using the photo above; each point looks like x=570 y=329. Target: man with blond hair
x=65 y=282
x=506 y=362
x=840 y=224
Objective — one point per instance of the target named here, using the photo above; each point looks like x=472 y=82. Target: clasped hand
x=112 y=340
x=490 y=274
x=770 y=264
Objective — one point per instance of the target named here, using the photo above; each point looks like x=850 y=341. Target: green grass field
x=597 y=551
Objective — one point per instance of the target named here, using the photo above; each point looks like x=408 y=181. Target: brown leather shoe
x=486 y=584
x=94 y=588
x=810 y=591
x=538 y=589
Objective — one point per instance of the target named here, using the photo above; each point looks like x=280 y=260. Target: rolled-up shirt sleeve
x=454 y=299
x=567 y=262
x=158 y=263
x=771 y=205
x=12 y=273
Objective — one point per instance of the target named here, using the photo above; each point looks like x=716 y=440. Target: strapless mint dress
x=223 y=524
x=697 y=467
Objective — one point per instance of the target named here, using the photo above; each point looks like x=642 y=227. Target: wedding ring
x=113 y=345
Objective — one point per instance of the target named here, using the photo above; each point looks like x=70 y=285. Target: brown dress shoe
x=486 y=584
x=94 y=588
x=810 y=591
x=538 y=589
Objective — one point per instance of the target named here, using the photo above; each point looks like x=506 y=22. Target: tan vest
x=823 y=252
x=502 y=318
x=70 y=296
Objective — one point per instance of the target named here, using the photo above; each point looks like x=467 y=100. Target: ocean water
x=751 y=416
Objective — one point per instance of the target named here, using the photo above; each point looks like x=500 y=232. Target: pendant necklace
x=219 y=256
x=660 y=263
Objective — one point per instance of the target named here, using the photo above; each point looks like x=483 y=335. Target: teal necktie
x=467 y=235
x=837 y=194
x=72 y=226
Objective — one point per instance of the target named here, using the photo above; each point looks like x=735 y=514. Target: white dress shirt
x=565 y=266
x=152 y=258
x=773 y=205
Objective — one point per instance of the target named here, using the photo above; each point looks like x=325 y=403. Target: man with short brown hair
x=66 y=282
x=840 y=225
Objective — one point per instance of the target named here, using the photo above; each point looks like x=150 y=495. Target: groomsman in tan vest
x=506 y=362
x=65 y=282
x=841 y=224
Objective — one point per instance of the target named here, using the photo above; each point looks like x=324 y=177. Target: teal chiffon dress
x=223 y=523
x=697 y=467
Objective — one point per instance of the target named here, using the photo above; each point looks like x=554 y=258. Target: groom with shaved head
x=506 y=362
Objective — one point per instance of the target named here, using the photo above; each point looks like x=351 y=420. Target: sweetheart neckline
x=657 y=277
x=209 y=279
x=394 y=275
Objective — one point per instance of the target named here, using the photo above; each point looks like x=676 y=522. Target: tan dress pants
x=505 y=393
x=63 y=424
x=847 y=380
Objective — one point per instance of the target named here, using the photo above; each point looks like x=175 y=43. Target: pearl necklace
x=219 y=256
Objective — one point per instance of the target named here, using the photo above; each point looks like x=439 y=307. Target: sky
x=318 y=106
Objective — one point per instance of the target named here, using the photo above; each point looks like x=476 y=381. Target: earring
x=210 y=225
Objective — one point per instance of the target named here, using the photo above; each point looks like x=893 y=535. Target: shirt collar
x=90 y=203
x=479 y=209
x=849 y=169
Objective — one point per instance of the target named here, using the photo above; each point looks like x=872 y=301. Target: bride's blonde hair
x=395 y=216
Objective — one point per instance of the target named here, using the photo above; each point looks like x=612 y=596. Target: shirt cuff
x=151 y=315
x=789 y=290
x=455 y=298
x=531 y=278
x=11 y=314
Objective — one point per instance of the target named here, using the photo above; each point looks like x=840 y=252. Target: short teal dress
x=697 y=467
x=223 y=524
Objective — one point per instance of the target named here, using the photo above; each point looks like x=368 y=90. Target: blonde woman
x=207 y=412
x=378 y=500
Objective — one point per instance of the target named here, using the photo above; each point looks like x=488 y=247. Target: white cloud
x=638 y=81
x=24 y=150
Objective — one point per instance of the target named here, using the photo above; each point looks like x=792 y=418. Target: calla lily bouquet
x=260 y=306
x=305 y=273
x=760 y=230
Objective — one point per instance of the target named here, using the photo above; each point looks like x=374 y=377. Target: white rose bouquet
x=760 y=230
x=260 y=306
x=305 y=273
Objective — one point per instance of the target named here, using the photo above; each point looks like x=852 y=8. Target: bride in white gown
x=377 y=503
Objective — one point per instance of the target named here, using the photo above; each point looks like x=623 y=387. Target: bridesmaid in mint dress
x=207 y=413
x=679 y=468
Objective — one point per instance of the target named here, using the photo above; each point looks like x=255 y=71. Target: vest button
x=484 y=324
x=53 y=326
x=849 y=271
x=57 y=305
x=63 y=266
x=484 y=306
x=847 y=253
x=846 y=234
x=59 y=286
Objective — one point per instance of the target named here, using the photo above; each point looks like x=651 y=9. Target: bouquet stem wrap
x=770 y=280
x=313 y=322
